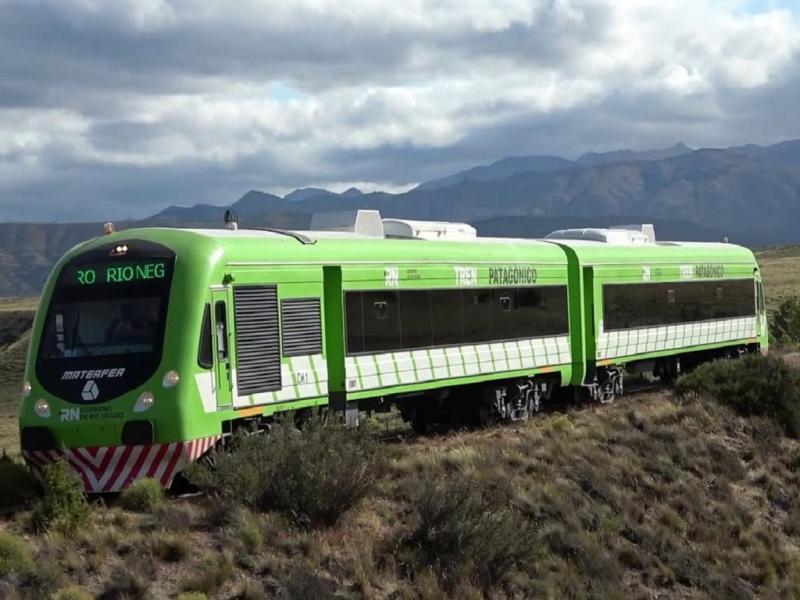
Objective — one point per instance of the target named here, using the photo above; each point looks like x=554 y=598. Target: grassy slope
x=646 y=498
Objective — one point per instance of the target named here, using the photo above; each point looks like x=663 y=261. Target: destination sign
x=124 y=272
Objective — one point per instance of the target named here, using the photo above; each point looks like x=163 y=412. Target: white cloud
x=383 y=93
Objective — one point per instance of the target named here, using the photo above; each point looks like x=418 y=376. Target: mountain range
x=750 y=194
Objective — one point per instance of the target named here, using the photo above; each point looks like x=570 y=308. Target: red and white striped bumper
x=106 y=469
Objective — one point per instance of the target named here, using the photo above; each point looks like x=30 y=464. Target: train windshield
x=113 y=326
x=106 y=322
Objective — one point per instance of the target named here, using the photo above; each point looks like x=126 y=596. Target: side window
x=205 y=353
x=477 y=308
x=760 y=297
x=354 y=322
x=446 y=317
x=221 y=320
x=416 y=330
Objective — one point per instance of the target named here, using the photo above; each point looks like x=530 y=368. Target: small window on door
x=205 y=353
x=381 y=310
x=221 y=320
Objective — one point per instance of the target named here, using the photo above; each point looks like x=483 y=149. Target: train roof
x=325 y=247
x=593 y=252
x=257 y=246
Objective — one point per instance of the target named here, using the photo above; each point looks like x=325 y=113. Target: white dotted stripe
x=302 y=377
x=628 y=342
x=417 y=366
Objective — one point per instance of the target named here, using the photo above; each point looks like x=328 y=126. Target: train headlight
x=42 y=408
x=26 y=389
x=144 y=402
x=171 y=379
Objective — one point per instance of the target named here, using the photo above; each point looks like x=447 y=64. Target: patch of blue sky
x=762 y=6
x=280 y=91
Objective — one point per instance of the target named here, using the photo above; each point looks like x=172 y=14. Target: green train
x=151 y=345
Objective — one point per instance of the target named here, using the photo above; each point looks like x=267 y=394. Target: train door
x=222 y=346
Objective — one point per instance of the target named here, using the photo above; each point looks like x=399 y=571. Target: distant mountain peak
x=304 y=194
x=500 y=169
x=352 y=192
x=615 y=156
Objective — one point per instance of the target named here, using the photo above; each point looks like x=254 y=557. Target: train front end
x=100 y=391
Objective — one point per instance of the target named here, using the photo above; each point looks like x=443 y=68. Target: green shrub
x=313 y=475
x=15 y=555
x=63 y=506
x=169 y=547
x=19 y=487
x=463 y=530
x=247 y=531
x=784 y=324
x=753 y=386
x=73 y=592
x=217 y=570
x=192 y=596
x=145 y=496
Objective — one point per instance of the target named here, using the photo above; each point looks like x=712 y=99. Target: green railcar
x=151 y=345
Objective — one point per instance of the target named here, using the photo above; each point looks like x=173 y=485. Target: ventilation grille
x=301 y=326
x=258 y=359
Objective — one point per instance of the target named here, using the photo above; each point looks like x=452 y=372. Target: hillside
x=648 y=498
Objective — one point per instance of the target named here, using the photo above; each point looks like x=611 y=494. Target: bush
x=20 y=488
x=73 y=592
x=464 y=530
x=784 y=324
x=217 y=570
x=63 y=506
x=169 y=547
x=246 y=530
x=753 y=386
x=313 y=476
x=15 y=555
x=145 y=496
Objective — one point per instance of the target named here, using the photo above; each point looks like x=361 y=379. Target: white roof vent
x=428 y=230
x=361 y=221
x=629 y=235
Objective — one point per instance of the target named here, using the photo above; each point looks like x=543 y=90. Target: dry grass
x=9 y=431
x=780 y=268
x=30 y=303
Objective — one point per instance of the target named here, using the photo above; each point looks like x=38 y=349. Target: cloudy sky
x=115 y=109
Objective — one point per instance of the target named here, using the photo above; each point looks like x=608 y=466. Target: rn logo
x=69 y=415
x=90 y=391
